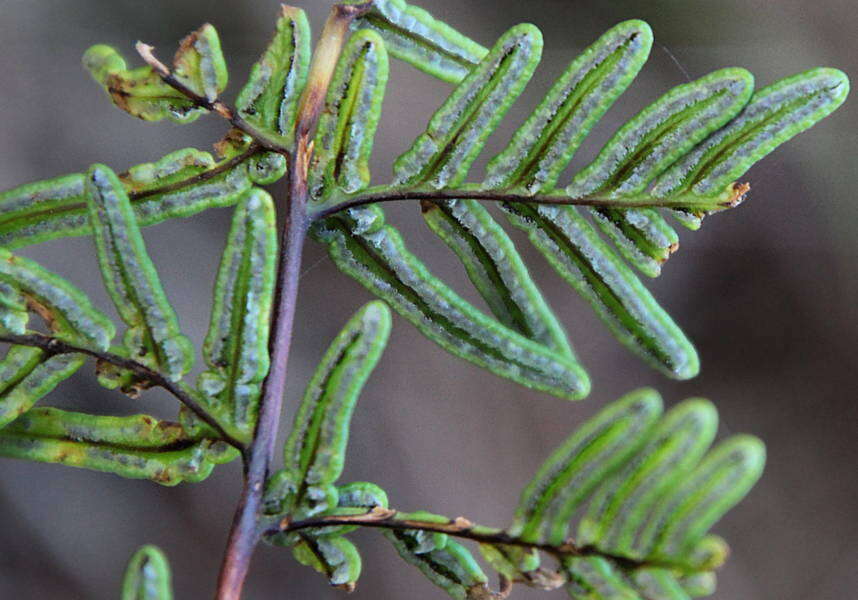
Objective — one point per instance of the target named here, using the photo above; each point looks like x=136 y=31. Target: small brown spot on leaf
x=740 y=190
x=146 y=52
x=481 y=591
x=234 y=140
x=44 y=312
x=505 y=586
x=380 y=513
x=162 y=476
x=544 y=579
x=186 y=45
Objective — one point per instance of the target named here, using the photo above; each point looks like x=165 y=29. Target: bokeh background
x=768 y=293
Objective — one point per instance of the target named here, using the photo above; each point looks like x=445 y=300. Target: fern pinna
x=644 y=486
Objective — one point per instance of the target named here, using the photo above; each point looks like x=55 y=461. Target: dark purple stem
x=244 y=533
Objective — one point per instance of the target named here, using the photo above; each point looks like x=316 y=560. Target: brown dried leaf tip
x=146 y=52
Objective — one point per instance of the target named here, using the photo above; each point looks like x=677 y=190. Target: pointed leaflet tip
x=413 y=35
x=199 y=63
x=663 y=132
x=544 y=145
x=442 y=155
x=147 y=576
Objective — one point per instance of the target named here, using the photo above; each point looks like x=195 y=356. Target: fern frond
x=315 y=450
x=344 y=137
x=236 y=346
x=374 y=253
x=647 y=487
x=653 y=492
x=153 y=332
x=681 y=155
x=136 y=447
x=269 y=99
x=198 y=65
x=178 y=185
x=672 y=127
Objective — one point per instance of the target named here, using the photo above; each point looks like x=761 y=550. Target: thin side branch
x=216 y=106
x=53 y=346
x=385 y=518
x=462 y=528
x=245 y=531
x=684 y=202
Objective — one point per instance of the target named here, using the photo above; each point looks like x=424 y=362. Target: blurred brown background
x=767 y=292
